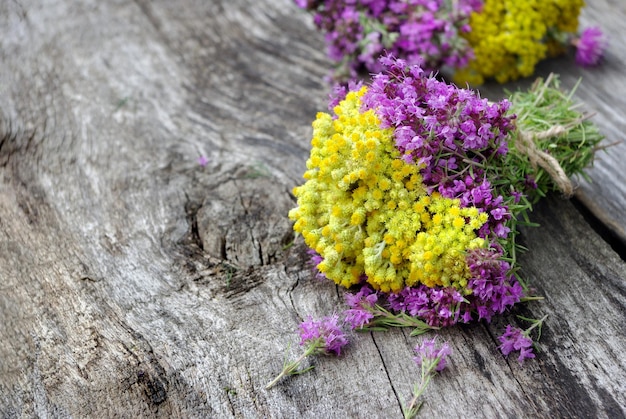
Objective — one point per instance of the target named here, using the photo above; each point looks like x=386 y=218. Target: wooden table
x=136 y=282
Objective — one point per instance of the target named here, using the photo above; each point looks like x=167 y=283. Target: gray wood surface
x=136 y=283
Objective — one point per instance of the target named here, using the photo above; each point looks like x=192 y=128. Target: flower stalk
x=384 y=320
x=293 y=367
x=318 y=337
x=431 y=360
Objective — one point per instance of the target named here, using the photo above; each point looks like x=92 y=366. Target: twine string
x=527 y=146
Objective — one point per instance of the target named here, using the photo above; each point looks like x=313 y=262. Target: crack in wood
x=191 y=211
x=387 y=373
x=244 y=221
x=150 y=374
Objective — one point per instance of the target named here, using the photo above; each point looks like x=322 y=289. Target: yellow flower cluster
x=510 y=37
x=367 y=212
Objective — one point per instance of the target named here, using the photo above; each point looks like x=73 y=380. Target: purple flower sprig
x=590 y=46
x=365 y=315
x=431 y=360
x=318 y=337
x=516 y=339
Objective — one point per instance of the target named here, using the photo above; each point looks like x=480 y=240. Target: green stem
x=535 y=324
x=292 y=367
x=427 y=374
x=384 y=319
x=534 y=298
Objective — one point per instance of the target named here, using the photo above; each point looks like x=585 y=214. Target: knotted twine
x=526 y=145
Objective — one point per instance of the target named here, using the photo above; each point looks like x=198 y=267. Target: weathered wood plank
x=606 y=195
x=135 y=282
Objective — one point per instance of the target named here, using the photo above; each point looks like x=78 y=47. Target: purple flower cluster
x=514 y=339
x=325 y=335
x=361 y=304
x=318 y=337
x=339 y=93
x=475 y=190
x=203 y=161
x=437 y=306
x=590 y=47
x=493 y=291
x=431 y=356
x=425 y=32
x=493 y=288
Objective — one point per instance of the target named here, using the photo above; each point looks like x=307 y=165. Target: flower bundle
x=473 y=39
x=415 y=190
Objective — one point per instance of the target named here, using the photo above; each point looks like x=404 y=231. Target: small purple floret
x=514 y=339
x=360 y=312
x=325 y=331
x=590 y=47
x=427 y=352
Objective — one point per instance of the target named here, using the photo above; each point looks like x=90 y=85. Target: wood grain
x=136 y=283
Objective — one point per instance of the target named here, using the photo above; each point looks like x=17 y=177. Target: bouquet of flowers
x=509 y=38
x=414 y=193
x=472 y=39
